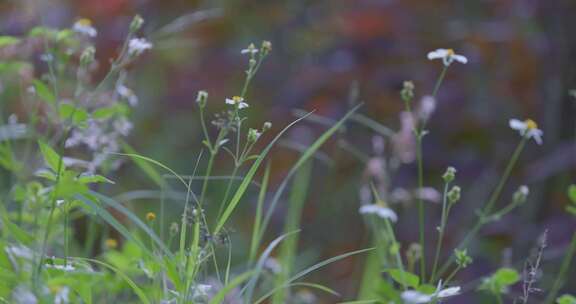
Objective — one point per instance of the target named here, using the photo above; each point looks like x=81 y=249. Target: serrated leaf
x=51 y=158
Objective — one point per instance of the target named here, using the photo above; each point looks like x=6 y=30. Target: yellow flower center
x=111 y=243
x=85 y=22
x=150 y=216
x=237 y=99
x=530 y=124
x=450 y=52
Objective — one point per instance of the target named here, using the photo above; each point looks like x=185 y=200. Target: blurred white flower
x=427 y=107
x=379 y=210
x=416 y=297
x=447 y=55
x=527 y=128
x=127 y=94
x=137 y=46
x=237 y=101
x=251 y=49
x=84 y=26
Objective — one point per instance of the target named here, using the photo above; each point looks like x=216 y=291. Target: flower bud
x=266 y=47
x=267 y=125
x=449 y=175
x=202 y=98
x=521 y=194
x=253 y=135
x=454 y=195
x=462 y=258
x=407 y=92
x=87 y=56
x=136 y=23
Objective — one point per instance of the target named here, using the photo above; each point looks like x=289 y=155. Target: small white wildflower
x=416 y=297
x=379 y=210
x=66 y=268
x=62 y=296
x=527 y=128
x=237 y=101
x=127 y=94
x=251 y=49
x=447 y=55
x=84 y=26
x=137 y=46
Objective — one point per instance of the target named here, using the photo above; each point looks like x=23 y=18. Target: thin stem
x=441 y=231
x=421 y=237
x=439 y=81
x=563 y=270
x=206 y=175
x=484 y=216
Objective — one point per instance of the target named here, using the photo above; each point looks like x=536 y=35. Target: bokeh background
x=522 y=63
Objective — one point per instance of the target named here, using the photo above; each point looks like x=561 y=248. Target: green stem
x=206 y=175
x=441 y=232
x=439 y=81
x=563 y=270
x=421 y=237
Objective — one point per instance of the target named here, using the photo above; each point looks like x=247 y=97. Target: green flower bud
x=136 y=23
x=454 y=194
x=202 y=98
x=521 y=194
x=462 y=258
x=449 y=175
x=407 y=92
x=253 y=135
x=267 y=125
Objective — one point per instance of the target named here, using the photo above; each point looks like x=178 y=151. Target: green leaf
x=93 y=178
x=572 y=193
x=43 y=91
x=221 y=295
x=8 y=40
x=566 y=299
x=51 y=157
x=404 y=277
x=506 y=277
x=69 y=112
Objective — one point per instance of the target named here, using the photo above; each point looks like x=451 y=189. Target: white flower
x=84 y=26
x=379 y=210
x=447 y=56
x=127 y=94
x=237 y=101
x=66 y=268
x=137 y=46
x=416 y=297
x=527 y=128
x=251 y=49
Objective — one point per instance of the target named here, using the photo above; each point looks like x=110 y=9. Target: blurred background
x=522 y=64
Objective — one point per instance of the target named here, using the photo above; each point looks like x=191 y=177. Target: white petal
x=448 y=292
x=460 y=58
x=242 y=105
x=387 y=213
x=415 y=297
x=439 y=53
x=517 y=124
x=230 y=101
x=537 y=135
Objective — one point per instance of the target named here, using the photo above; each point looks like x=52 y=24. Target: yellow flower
x=111 y=243
x=150 y=216
x=530 y=124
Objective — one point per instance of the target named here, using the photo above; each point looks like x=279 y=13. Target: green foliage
x=566 y=299
x=499 y=282
x=571 y=208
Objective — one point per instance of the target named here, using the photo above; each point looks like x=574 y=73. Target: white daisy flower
x=447 y=55
x=527 y=128
x=379 y=210
x=84 y=26
x=137 y=46
x=416 y=297
x=237 y=101
x=251 y=49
